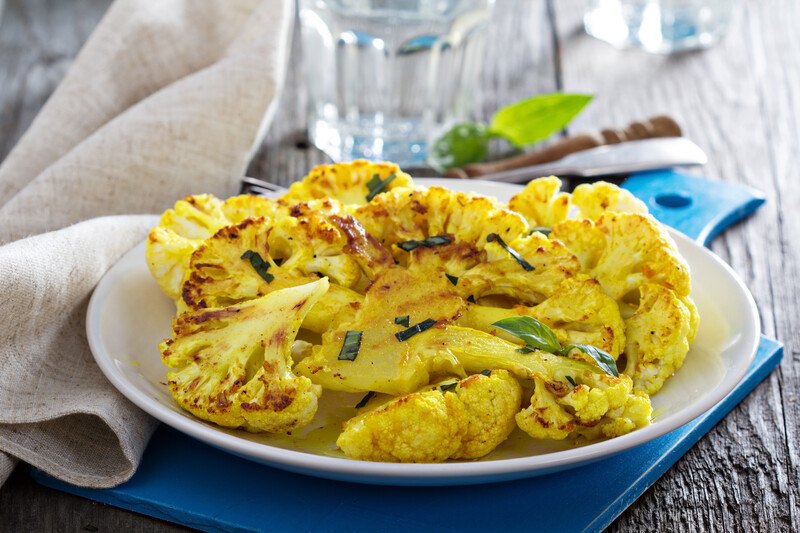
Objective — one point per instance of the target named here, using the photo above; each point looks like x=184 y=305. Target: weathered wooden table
x=739 y=100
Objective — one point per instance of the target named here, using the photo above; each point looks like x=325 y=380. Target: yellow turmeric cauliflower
x=549 y=262
x=578 y=312
x=412 y=214
x=594 y=199
x=423 y=427
x=346 y=182
x=233 y=365
x=596 y=403
x=624 y=250
x=221 y=271
x=541 y=202
x=658 y=337
x=179 y=232
x=457 y=420
x=385 y=363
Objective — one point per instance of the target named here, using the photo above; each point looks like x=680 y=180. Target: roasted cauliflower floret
x=541 y=202
x=558 y=408
x=409 y=214
x=423 y=427
x=223 y=271
x=658 y=337
x=346 y=182
x=579 y=312
x=492 y=402
x=594 y=199
x=239 y=208
x=549 y=262
x=456 y=420
x=179 y=232
x=233 y=365
x=635 y=250
x=385 y=362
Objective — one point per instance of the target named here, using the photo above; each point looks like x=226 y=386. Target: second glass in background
x=661 y=26
x=385 y=77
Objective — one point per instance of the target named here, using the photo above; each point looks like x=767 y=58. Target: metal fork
x=260 y=187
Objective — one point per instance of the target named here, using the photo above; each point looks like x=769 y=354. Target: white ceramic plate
x=128 y=316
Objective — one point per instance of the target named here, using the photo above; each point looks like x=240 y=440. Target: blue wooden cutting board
x=185 y=481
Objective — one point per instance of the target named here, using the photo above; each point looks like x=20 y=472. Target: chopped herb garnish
x=351 y=345
x=540 y=337
x=402 y=320
x=448 y=386
x=258 y=264
x=365 y=399
x=486 y=372
x=471 y=299
x=430 y=242
x=571 y=381
x=376 y=185
x=413 y=330
x=541 y=229
x=452 y=279
x=494 y=237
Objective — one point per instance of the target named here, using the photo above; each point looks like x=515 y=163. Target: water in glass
x=384 y=77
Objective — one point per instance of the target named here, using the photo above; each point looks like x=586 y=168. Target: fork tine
x=260 y=187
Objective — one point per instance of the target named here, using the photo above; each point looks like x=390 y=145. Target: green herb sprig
x=258 y=264
x=494 y=237
x=351 y=345
x=521 y=124
x=430 y=242
x=413 y=330
x=538 y=336
x=376 y=185
x=365 y=400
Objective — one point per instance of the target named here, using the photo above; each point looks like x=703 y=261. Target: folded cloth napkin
x=166 y=99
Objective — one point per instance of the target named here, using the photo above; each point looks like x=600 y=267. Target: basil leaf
x=351 y=345
x=494 y=237
x=452 y=279
x=430 y=242
x=603 y=359
x=365 y=400
x=413 y=330
x=402 y=320
x=531 y=331
x=571 y=380
x=534 y=119
x=463 y=144
x=258 y=263
x=376 y=185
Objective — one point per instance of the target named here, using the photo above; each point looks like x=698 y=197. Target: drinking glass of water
x=385 y=77
x=661 y=26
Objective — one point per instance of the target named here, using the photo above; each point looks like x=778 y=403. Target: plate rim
x=410 y=473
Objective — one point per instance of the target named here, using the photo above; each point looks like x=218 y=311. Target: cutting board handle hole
x=673 y=200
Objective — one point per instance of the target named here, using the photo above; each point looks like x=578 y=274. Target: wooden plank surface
x=740 y=101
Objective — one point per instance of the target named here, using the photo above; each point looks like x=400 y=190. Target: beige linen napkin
x=166 y=99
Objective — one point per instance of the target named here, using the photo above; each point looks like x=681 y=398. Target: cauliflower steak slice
x=385 y=363
x=541 y=202
x=596 y=405
x=233 y=365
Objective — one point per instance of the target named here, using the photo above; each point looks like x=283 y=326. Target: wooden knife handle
x=657 y=126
